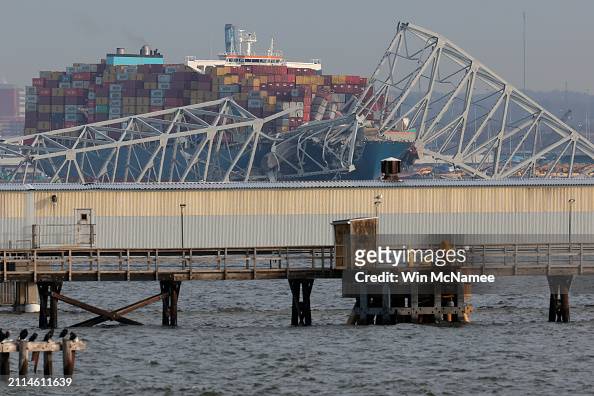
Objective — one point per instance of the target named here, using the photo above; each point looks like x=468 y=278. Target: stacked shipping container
x=87 y=93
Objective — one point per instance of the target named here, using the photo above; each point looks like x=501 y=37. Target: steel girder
x=212 y=141
x=466 y=115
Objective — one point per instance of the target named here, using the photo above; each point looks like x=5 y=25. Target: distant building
x=12 y=110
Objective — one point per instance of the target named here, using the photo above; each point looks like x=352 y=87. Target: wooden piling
x=307 y=285
x=5 y=365
x=170 y=291
x=301 y=310
x=56 y=288
x=43 y=291
x=553 y=308
x=23 y=357
x=48 y=363
x=295 y=291
x=67 y=357
x=565 y=307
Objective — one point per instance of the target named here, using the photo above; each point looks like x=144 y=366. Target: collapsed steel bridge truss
x=466 y=115
x=212 y=141
x=462 y=113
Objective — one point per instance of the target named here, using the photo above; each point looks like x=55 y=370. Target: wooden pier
x=23 y=347
x=48 y=268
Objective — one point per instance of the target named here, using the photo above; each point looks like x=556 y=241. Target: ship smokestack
x=120 y=51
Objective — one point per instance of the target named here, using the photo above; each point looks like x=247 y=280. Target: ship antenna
x=271 y=49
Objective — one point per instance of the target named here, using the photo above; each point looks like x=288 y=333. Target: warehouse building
x=283 y=214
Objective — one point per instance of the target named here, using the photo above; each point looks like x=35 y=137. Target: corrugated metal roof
x=426 y=183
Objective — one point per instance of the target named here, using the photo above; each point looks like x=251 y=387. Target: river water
x=234 y=338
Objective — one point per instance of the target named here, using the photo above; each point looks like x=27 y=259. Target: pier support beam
x=301 y=310
x=170 y=292
x=559 y=298
x=26 y=299
x=48 y=318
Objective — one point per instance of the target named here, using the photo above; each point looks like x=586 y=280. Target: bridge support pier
x=170 y=290
x=301 y=310
x=559 y=298
x=48 y=318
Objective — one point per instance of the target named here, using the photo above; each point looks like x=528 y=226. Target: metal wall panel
x=294 y=216
x=236 y=231
x=317 y=201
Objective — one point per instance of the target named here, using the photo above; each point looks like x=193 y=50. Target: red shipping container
x=38 y=82
x=73 y=92
x=81 y=76
x=44 y=92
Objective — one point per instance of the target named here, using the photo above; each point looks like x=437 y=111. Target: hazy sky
x=348 y=36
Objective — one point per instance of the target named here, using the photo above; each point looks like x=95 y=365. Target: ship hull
x=367 y=166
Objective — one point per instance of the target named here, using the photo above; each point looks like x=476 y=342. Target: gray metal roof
x=423 y=183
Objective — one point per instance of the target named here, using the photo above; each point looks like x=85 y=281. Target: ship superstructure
x=240 y=51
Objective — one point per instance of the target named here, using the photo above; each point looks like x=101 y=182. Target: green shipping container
x=103 y=109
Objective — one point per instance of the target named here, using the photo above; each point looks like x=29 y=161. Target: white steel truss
x=462 y=113
x=466 y=115
x=211 y=141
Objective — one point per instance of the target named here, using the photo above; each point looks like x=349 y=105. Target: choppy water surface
x=235 y=338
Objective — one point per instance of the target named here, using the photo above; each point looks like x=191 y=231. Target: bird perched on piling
x=63 y=333
x=48 y=336
x=33 y=337
x=73 y=337
x=23 y=334
x=4 y=336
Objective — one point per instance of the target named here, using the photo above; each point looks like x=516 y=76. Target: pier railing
x=155 y=264
x=87 y=264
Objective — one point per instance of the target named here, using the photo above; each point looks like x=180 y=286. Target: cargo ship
x=125 y=84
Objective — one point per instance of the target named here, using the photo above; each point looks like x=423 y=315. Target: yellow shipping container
x=43 y=125
x=272 y=100
x=57 y=108
x=139 y=77
x=30 y=131
x=263 y=79
x=102 y=101
x=129 y=109
x=129 y=101
x=263 y=94
x=57 y=91
x=45 y=108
